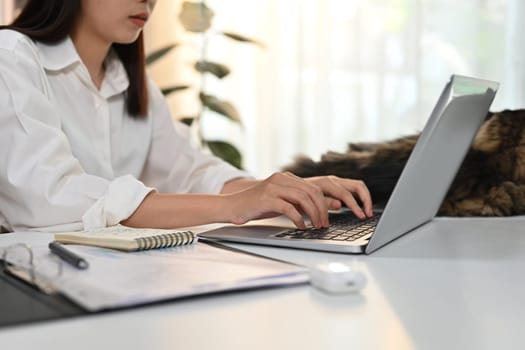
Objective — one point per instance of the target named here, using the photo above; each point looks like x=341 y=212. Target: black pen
x=68 y=256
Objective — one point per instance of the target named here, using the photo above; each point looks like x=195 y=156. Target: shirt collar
x=62 y=54
x=59 y=55
x=116 y=79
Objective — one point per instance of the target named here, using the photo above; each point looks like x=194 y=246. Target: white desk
x=452 y=284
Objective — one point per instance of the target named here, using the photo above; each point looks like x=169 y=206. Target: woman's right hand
x=292 y=196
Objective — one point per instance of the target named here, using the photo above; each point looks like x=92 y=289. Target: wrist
x=230 y=209
x=237 y=185
x=180 y=210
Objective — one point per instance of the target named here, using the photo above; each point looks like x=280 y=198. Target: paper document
x=118 y=279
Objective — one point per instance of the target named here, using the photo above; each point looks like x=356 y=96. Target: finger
x=332 y=203
x=302 y=200
x=351 y=203
x=320 y=218
x=364 y=196
x=359 y=188
x=287 y=209
x=334 y=187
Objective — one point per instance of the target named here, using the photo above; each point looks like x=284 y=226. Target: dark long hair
x=50 y=21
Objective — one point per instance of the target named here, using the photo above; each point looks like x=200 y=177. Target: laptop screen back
x=436 y=158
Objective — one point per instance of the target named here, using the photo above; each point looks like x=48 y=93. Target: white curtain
x=339 y=71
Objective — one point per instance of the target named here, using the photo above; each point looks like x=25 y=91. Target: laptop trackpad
x=245 y=231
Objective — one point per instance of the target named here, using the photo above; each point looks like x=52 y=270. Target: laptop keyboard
x=343 y=227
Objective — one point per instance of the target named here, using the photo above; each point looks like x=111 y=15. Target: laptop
x=419 y=192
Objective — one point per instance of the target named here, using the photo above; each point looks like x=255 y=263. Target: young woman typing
x=87 y=139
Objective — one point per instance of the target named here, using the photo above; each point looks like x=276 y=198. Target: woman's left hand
x=339 y=190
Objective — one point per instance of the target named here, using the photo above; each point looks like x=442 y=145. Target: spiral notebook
x=126 y=238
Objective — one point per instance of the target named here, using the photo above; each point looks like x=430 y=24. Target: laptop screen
x=436 y=158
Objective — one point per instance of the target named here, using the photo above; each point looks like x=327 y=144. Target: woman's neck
x=93 y=51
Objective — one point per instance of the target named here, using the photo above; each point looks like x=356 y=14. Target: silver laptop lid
x=436 y=158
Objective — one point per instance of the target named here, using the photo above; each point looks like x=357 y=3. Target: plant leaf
x=219 y=106
x=242 y=38
x=168 y=90
x=226 y=151
x=217 y=69
x=195 y=16
x=159 y=53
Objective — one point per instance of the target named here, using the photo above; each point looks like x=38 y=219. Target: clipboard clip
x=18 y=260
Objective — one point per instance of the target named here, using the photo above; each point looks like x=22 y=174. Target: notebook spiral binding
x=166 y=240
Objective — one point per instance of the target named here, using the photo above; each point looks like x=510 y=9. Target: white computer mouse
x=337 y=278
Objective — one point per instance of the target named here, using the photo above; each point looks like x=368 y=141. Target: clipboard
x=215 y=270
x=22 y=303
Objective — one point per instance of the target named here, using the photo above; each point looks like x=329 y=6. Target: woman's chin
x=128 y=38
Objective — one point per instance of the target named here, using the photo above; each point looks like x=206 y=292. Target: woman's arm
x=242 y=200
x=238 y=184
x=159 y=210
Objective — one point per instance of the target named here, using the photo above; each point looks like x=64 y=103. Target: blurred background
x=339 y=71
x=332 y=72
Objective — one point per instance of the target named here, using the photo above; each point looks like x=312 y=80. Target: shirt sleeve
x=174 y=164
x=42 y=185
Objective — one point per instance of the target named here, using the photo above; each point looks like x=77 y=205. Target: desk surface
x=451 y=284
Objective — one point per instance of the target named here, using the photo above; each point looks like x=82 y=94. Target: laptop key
x=344 y=227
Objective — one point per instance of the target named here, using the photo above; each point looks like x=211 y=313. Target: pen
x=68 y=256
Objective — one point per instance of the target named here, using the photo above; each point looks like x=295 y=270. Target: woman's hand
x=338 y=190
x=292 y=196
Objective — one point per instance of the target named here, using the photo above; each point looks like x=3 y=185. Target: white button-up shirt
x=71 y=157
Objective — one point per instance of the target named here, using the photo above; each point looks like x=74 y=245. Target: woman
x=87 y=140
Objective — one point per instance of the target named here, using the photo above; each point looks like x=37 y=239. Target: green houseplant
x=196 y=18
